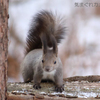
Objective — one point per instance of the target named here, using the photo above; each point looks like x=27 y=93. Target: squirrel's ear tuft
x=54 y=45
x=44 y=43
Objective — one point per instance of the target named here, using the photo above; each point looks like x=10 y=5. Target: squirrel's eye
x=42 y=61
x=55 y=62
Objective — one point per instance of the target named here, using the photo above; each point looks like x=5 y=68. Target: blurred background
x=79 y=51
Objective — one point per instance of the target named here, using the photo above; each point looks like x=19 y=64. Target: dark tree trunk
x=3 y=47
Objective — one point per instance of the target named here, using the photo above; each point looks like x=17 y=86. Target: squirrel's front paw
x=59 y=89
x=36 y=86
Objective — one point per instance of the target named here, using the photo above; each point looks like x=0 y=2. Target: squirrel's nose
x=47 y=69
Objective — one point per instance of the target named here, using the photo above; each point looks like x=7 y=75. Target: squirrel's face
x=49 y=61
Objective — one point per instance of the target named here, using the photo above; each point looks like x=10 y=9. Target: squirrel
x=41 y=61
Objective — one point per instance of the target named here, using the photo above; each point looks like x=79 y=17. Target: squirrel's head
x=49 y=61
x=50 y=52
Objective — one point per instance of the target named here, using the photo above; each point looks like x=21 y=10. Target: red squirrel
x=42 y=61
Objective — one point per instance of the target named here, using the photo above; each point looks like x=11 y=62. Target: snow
x=87 y=95
x=79 y=94
x=42 y=93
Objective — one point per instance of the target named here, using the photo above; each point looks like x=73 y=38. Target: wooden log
x=73 y=90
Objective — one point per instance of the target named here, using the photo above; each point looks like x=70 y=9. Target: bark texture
x=75 y=88
x=3 y=47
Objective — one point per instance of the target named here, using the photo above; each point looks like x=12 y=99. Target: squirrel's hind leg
x=27 y=77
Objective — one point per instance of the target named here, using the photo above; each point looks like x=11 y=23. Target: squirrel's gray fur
x=41 y=61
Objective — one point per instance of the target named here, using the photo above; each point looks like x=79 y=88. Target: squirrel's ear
x=54 y=44
x=44 y=43
x=44 y=50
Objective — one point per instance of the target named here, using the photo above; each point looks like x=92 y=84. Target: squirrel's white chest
x=49 y=75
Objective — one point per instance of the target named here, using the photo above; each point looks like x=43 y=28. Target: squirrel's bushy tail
x=46 y=30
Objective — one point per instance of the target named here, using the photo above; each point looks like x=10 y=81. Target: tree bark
x=3 y=47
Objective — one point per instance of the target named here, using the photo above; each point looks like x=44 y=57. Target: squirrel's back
x=44 y=25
